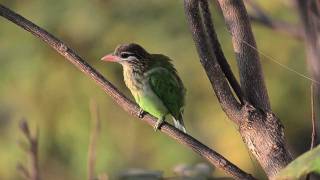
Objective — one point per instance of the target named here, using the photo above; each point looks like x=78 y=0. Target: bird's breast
x=134 y=80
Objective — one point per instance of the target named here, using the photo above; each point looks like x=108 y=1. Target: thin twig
x=314 y=123
x=314 y=134
x=308 y=11
x=260 y=17
x=95 y=130
x=33 y=173
x=210 y=155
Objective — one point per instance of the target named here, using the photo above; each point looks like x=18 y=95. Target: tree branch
x=210 y=155
x=216 y=49
x=283 y=27
x=209 y=62
x=251 y=75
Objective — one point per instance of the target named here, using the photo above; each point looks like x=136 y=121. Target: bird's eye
x=124 y=55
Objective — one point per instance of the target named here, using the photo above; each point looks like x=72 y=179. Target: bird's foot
x=141 y=113
x=158 y=124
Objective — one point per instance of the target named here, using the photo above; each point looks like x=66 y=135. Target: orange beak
x=110 y=58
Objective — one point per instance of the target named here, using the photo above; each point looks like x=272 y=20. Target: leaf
x=304 y=164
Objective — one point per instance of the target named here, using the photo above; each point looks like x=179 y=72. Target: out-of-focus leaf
x=306 y=163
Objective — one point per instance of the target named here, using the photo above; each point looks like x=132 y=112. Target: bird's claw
x=141 y=113
x=158 y=124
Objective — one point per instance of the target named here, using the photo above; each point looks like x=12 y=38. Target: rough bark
x=263 y=133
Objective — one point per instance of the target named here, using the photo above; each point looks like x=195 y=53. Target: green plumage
x=167 y=85
x=154 y=83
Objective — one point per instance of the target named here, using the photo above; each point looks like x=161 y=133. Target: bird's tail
x=178 y=123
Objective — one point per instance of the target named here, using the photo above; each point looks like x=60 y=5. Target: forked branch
x=210 y=155
x=210 y=63
x=217 y=50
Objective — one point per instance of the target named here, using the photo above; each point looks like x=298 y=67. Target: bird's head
x=127 y=54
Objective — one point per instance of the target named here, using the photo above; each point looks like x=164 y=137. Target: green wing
x=169 y=88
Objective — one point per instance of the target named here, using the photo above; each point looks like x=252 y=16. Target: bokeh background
x=38 y=84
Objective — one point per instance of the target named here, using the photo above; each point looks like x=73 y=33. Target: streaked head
x=127 y=53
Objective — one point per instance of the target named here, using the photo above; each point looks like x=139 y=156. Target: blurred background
x=39 y=85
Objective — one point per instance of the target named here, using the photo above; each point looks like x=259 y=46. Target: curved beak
x=110 y=58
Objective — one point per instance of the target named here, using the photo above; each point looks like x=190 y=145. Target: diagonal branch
x=251 y=75
x=260 y=17
x=210 y=155
x=216 y=48
x=209 y=62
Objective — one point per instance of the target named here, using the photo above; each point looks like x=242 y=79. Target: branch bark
x=210 y=155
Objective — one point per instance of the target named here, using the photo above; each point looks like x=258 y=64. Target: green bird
x=153 y=82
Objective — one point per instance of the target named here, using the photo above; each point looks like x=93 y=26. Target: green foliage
x=304 y=164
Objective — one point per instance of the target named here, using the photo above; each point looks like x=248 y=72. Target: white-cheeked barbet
x=153 y=82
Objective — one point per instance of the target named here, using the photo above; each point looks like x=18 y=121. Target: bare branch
x=210 y=155
x=216 y=49
x=209 y=62
x=260 y=17
x=251 y=75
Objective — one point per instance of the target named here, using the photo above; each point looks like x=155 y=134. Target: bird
x=153 y=81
